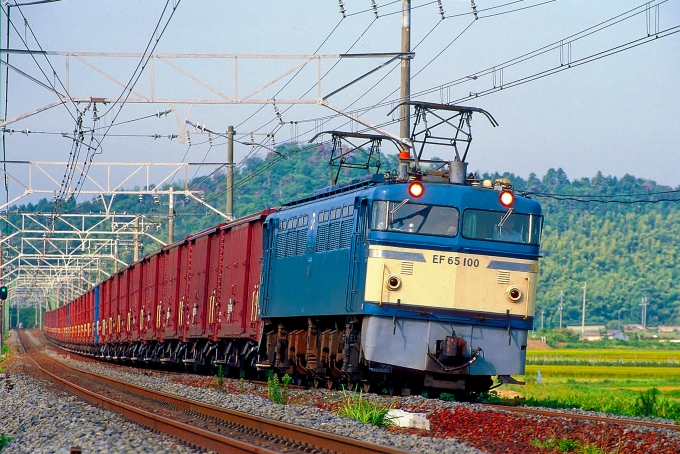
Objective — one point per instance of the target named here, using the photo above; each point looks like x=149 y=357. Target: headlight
x=393 y=282
x=514 y=294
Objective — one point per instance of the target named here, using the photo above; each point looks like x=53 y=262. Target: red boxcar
x=194 y=301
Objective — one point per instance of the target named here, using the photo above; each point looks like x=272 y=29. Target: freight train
x=422 y=279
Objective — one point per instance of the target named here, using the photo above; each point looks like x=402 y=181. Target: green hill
x=618 y=235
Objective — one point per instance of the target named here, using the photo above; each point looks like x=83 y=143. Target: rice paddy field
x=631 y=382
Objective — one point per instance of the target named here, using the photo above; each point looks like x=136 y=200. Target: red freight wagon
x=76 y=320
x=150 y=306
x=194 y=301
x=81 y=336
x=197 y=299
x=183 y=310
x=241 y=275
x=124 y=315
x=134 y=315
x=170 y=289
x=106 y=301
x=88 y=318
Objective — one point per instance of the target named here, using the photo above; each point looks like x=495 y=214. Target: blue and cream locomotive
x=421 y=279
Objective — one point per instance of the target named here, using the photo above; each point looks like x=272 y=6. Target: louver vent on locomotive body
x=291 y=243
x=503 y=277
x=301 y=242
x=322 y=238
x=334 y=236
x=407 y=268
x=281 y=245
x=346 y=234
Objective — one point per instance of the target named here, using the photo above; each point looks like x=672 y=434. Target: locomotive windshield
x=415 y=218
x=494 y=226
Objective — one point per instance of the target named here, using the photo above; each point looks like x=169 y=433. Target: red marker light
x=507 y=198
x=416 y=189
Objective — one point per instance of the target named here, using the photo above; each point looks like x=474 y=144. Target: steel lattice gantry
x=57 y=256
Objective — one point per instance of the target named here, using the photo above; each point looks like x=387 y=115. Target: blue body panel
x=96 y=314
x=313 y=280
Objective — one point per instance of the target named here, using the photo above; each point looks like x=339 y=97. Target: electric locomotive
x=422 y=279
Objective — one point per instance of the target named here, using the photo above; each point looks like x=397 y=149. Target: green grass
x=585 y=379
x=4 y=441
x=564 y=445
x=274 y=392
x=609 y=357
x=219 y=379
x=6 y=350
x=356 y=407
x=605 y=372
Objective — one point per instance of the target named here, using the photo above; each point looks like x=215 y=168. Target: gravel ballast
x=39 y=420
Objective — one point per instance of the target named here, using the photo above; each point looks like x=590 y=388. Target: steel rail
x=304 y=436
x=581 y=417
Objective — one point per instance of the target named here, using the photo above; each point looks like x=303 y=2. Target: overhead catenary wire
x=308 y=120
x=557 y=45
x=652 y=197
x=125 y=94
x=640 y=10
x=255 y=149
x=365 y=110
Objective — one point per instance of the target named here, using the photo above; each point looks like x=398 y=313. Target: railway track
x=519 y=410
x=490 y=428
x=205 y=426
x=581 y=417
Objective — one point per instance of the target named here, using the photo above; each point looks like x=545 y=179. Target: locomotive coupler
x=451 y=349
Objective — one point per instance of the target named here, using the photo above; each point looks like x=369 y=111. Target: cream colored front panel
x=468 y=282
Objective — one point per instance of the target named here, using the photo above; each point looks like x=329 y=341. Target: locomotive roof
x=347 y=186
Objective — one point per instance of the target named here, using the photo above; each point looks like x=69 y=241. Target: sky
x=617 y=114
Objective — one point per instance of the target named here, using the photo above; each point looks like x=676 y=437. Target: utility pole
x=542 y=314
x=621 y=309
x=583 y=314
x=136 y=241
x=405 y=95
x=171 y=216
x=2 y=324
x=561 y=307
x=115 y=256
x=644 y=312
x=230 y=173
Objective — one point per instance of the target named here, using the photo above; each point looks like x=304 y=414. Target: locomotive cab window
x=497 y=226
x=414 y=218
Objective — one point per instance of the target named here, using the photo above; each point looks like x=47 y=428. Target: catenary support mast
x=405 y=110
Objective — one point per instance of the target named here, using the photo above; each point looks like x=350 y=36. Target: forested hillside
x=617 y=235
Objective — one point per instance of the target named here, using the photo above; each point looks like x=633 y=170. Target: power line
x=134 y=78
x=603 y=199
x=563 y=45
